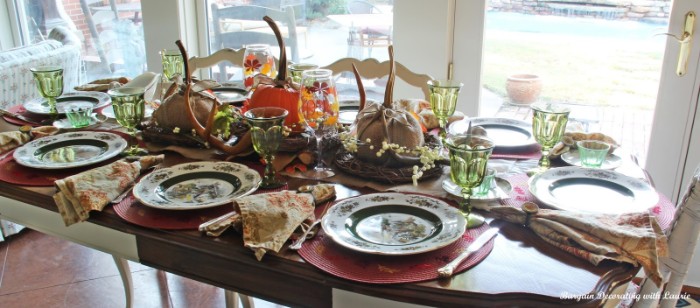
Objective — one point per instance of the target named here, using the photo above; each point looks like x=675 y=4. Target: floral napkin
x=91 y=190
x=634 y=238
x=270 y=219
x=13 y=139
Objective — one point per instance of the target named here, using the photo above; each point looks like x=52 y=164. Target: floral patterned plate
x=592 y=190
x=393 y=223
x=41 y=106
x=197 y=185
x=508 y=134
x=69 y=150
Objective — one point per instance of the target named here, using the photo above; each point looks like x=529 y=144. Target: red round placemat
x=19 y=109
x=664 y=210
x=14 y=173
x=527 y=154
x=136 y=213
x=339 y=261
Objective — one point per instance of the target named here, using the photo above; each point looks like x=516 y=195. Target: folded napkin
x=91 y=190
x=270 y=219
x=13 y=139
x=634 y=238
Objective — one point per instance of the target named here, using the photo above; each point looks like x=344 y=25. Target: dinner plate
x=573 y=158
x=199 y=185
x=230 y=95
x=109 y=111
x=69 y=150
x=393 y=223
x=502 y=192
x=505 y=133
x=41 y=106
x=592 y=190
x=95 y=119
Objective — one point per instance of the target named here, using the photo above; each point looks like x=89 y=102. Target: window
x=111 y=32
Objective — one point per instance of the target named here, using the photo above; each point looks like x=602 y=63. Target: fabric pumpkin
x=380 y=123
x=279 y=92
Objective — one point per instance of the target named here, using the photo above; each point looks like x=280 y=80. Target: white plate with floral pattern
x=41 y=105
x=393 y=223
x=199 y=185
x=592 y=190
x=70 y=150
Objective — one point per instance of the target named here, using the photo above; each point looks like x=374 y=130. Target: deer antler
x=203 y=131
x=360 y=87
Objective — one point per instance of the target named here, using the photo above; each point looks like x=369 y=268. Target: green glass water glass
x=443 y=101
x=548 y=126
x=266 y=132
x=129 y=106
x=469 y=156
x=49 y=81
x=173 y=64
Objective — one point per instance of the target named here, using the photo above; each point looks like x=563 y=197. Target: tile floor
x=37 y=270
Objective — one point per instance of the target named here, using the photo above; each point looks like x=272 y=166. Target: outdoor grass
x=578 y=70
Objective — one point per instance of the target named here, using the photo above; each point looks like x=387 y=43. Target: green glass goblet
x=443 y=102
x=548 y=126
x=173 y=64
x=129 y=105
x=266 y=132
x=469 y=155
x=49 y=81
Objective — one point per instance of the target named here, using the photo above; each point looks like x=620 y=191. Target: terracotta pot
x=523 y=88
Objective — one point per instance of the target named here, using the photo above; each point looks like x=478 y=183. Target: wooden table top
x=521 y=270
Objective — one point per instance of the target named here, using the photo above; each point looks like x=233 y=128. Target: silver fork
x=297 y=244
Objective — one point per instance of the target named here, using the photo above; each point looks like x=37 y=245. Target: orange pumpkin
x=281 y=93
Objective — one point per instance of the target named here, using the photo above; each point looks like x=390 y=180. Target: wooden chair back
x=372 y=68
x=682 y=240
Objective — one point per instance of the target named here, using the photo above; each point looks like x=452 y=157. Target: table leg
x=125 y=272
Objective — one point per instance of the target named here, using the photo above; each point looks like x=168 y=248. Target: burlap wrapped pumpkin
x=381 y=123
x=172 y=113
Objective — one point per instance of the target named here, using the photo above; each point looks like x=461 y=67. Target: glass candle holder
x=257 y=59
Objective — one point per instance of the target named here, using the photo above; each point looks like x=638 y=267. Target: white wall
x=6 y=39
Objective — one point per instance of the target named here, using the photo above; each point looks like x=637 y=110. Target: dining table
x=520 y=270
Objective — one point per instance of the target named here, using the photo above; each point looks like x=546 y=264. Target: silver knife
x=483 y=238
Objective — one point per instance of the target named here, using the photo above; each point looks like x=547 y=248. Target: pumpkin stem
x=389 y=92
x=360 y=87
x=201 y=131
x=282 y=74
x=183 y=52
